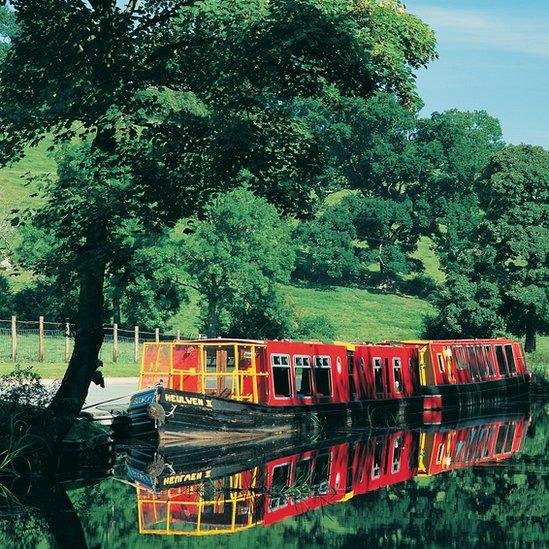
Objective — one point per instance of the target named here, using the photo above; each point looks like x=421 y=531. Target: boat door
x=351 y=371
x=379 y=376
x=219 y=362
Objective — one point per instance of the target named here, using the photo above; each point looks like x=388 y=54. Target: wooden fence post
x=67 y=341
x=14 y=338
x=115 y=342
x=136 y=344
x=40 y=339
x=157 y=335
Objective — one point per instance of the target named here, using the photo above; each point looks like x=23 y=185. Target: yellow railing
x=236 y=496
x=158 y=359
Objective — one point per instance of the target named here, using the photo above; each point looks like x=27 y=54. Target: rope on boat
x=129 y=482
x=106 y=401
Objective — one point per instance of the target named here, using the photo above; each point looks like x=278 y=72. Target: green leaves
x=497 y=255
x=515 y=195
x=234 y=258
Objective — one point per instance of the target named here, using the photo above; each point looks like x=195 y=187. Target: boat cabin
x=281 y=373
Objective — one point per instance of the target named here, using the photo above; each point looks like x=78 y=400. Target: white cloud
x=499 y=30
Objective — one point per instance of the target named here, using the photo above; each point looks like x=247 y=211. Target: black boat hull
x=169 y=413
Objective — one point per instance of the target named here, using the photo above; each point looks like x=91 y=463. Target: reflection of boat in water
x=279 y=482
x=196 y=388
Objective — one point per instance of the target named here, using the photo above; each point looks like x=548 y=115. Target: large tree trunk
x=530 y=340
x=69 y=399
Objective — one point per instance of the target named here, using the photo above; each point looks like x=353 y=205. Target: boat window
x=458 y=358
x=302 y=480
x=510 y=359
x=279 y=486
x=489 y=437
x=489 y=360
x=320 y=476
x=501 y=439
x=473 y=367
x=440 y=359
x=322 y=375
x=211 y=359
x=378 y=375
x=481 y=361
x=501 y=360
x=303 y=375
x=322 y=361
x=378 y=456
x=230 y=359
x=281 y=375
x=397 y=454
x=510 y=436
x=440 y=452
x=397 y=370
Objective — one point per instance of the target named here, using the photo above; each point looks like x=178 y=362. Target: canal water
x=473 y=482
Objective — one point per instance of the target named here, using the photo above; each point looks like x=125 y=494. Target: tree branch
x=131 y=6
x=164 y=16
x=186 y=285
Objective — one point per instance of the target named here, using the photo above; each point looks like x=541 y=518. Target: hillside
x=357 y=314
x=15 y=193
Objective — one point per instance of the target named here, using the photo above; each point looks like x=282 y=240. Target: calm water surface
x=477 y=482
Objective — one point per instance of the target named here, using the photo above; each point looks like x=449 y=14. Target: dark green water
x=400 y=497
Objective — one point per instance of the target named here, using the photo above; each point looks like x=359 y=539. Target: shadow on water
x=477 y=480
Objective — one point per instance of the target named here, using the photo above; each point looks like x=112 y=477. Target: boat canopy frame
x=164 y=522
x=158 y=360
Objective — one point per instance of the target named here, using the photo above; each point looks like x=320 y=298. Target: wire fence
x=52 y=342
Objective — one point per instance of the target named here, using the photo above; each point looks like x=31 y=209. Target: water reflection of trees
x=501 y=506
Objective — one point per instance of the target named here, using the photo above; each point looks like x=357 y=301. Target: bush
x=6 y=298
x=327 y=249
x=315 y=327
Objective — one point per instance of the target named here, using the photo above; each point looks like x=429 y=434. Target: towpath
x=115 y=387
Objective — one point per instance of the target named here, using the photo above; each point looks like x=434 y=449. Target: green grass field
x=15 y=191
x=360 y=315
x=57 y=369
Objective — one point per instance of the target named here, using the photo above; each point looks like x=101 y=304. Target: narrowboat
x=199 y=387
x=282 y=484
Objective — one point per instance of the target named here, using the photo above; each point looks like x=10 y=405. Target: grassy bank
x=55 y=370
x=538 y=362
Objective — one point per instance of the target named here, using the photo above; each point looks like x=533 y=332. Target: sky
x=493 y=55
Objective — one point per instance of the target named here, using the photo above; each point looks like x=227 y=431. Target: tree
x=151 y=294
x=373 y=152
x=173 y=102
x=8 y=29
x=6 y=298
x=466 y=308
x=515 y=196
x=367 y=143
x=234 y=259
x=327 y=250
x=390 y=230
x=456 y=147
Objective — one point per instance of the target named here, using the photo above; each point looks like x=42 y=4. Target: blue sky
x=494 y=55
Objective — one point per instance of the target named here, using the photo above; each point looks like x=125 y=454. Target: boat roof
x=221 y=340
